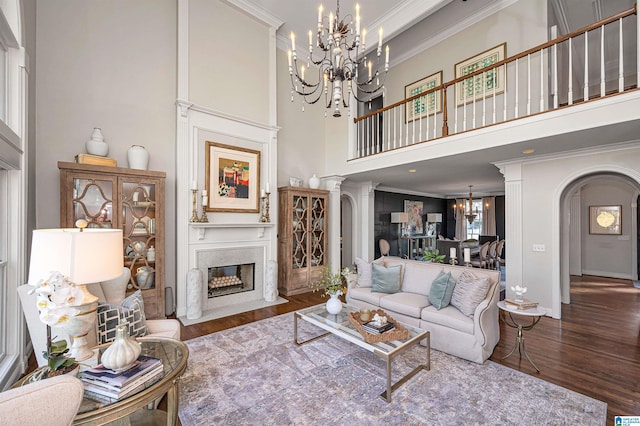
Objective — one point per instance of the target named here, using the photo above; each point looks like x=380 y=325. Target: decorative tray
x=397 y=333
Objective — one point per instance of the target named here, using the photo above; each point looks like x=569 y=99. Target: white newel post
x=332 y=183
x=194 y=294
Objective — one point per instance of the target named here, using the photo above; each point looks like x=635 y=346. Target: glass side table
x=174 y=355
x=533 y=314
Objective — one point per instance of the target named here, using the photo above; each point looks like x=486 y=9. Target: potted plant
x=433 y=256
x=57 y=300
x=333 y=285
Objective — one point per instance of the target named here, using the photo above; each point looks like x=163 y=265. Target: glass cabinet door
x=300 y=232
x=138 y=201
x=317 y=229
x=93 y=202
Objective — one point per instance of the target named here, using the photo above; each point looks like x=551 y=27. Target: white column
x=366 y=220
x=513 y=223
x=332 y=183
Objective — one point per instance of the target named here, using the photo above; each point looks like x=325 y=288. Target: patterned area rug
x=255 y=375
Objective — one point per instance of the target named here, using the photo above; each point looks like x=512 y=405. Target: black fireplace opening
x=231 y=279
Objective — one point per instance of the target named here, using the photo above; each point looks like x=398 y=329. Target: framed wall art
x=605 y=220
x=414 y=210
x=486 y=84
x=232 y=178
x=423 y=106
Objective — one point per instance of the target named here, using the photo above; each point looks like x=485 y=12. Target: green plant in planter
x=56 y=356
x=433 y=256
x=331 y=283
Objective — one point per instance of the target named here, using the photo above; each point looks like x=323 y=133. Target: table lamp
x=84 y=256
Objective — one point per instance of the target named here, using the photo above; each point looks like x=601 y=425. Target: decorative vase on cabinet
x=138 y=157
x=131 y=200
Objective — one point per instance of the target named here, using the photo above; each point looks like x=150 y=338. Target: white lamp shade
x=399 y=217
x=434 y=217
x=85 y=257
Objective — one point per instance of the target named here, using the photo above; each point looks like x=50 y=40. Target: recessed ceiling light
x=528 y=151
x=412 y=170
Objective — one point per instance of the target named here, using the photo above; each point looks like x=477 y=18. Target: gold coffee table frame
x=339 y=325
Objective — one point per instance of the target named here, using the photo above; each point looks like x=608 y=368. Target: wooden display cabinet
x=302 y=237
x=132 y=200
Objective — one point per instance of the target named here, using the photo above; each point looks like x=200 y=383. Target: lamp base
x=80 y=349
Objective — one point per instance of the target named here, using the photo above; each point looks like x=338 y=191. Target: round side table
x=534 y=314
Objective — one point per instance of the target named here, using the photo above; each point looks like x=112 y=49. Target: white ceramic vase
x=334 y=305
x=314 y=182
x=138 y=157
x=123 y=351
x=96 y=145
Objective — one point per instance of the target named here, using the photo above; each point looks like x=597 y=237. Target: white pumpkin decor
x=123 y=352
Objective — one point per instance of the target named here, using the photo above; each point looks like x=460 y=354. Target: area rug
x=255 y=375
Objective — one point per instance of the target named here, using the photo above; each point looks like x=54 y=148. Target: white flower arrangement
x=57 y=298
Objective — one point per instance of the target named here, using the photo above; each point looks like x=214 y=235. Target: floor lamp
x=84 y=256
x=400 y=218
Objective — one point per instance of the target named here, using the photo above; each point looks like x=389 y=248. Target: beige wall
x=301 y=140
x=228 y=60
x=108 y=64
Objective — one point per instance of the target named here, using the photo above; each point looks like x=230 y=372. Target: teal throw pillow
x=441 y=290
x=385 y=280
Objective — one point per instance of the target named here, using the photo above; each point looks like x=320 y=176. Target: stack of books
x=524 y=304
x=371 y=327
x=105 y=385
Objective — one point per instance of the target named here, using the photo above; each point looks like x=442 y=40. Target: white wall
x=108 y=64
x=607 y=255
x=228 y=57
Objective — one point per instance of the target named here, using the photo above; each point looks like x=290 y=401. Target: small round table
x=535 y=314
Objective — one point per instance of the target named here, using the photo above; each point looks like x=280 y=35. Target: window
x=474 y=229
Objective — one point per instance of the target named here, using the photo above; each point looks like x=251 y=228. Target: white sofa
x=472 y=338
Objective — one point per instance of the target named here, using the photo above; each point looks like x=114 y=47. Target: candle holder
x=204 y=218
x=467 y=264
x=194 y=212
x=453 y=260
x=264 y=208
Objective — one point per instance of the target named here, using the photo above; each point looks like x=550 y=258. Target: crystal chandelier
x=471 y=216
x=341 y=45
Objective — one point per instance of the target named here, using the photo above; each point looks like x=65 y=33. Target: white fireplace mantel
x=203 y=227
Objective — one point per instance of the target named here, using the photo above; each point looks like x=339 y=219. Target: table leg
x=295 y=332
x=172 y=404
x=520 y=339
x=386 y=395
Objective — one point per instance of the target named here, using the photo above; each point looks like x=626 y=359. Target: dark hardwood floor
x=593 y=350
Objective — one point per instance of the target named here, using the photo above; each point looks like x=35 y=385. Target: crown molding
x=257 y=12
x=461 y=26
x=404 y=16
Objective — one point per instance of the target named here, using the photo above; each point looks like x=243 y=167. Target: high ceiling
x=397 y=17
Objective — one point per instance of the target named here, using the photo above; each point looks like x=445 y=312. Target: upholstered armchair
x=53 y=401
x=112 y=291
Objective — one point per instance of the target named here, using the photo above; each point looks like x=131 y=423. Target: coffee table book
x=120 y=379
x=103 y=393
x=96 y=160
x=525 y=304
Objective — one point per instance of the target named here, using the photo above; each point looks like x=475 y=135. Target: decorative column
x=513 y=222
x=332 y=183
x=366 y=218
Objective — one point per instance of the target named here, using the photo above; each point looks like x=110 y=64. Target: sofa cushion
x=365 y=271
x=448 y=317
x=409 y=304
x=386 y=279
x=467 y=294
x=131 y=311
x=441 y=290
x=366 y=295
x=418 y=277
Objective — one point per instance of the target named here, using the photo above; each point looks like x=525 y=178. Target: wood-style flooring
x=593 y=350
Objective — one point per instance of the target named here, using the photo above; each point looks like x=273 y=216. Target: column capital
x=333 y=182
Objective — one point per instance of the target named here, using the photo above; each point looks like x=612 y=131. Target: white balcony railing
x=585 y=65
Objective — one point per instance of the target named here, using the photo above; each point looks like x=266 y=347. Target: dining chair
x=481 y=260
x=491 y=254
x=384 y=247
x=499 y=249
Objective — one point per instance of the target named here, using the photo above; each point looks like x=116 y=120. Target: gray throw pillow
x=467 y=295
x=385 y=279
x=441 y=290
x=130 y=311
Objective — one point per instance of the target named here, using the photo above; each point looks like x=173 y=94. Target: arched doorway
x=575 y=195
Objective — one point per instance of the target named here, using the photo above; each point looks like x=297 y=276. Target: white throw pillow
x=468 y=292
x=365 y=275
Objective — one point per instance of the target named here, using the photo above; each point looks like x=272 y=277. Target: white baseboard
x=607 y=274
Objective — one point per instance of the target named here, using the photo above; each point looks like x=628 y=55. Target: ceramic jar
x=96 y=145
x=314 y=182
x=138 y=157
x=123 y=351
x=145 y=276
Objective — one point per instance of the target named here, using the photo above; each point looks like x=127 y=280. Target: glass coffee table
x=339 y=325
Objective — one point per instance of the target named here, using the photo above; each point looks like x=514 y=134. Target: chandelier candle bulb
x=293 y=41
x=320 y=16
x=330 y=22
x=386 y=59
x=289 y=57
